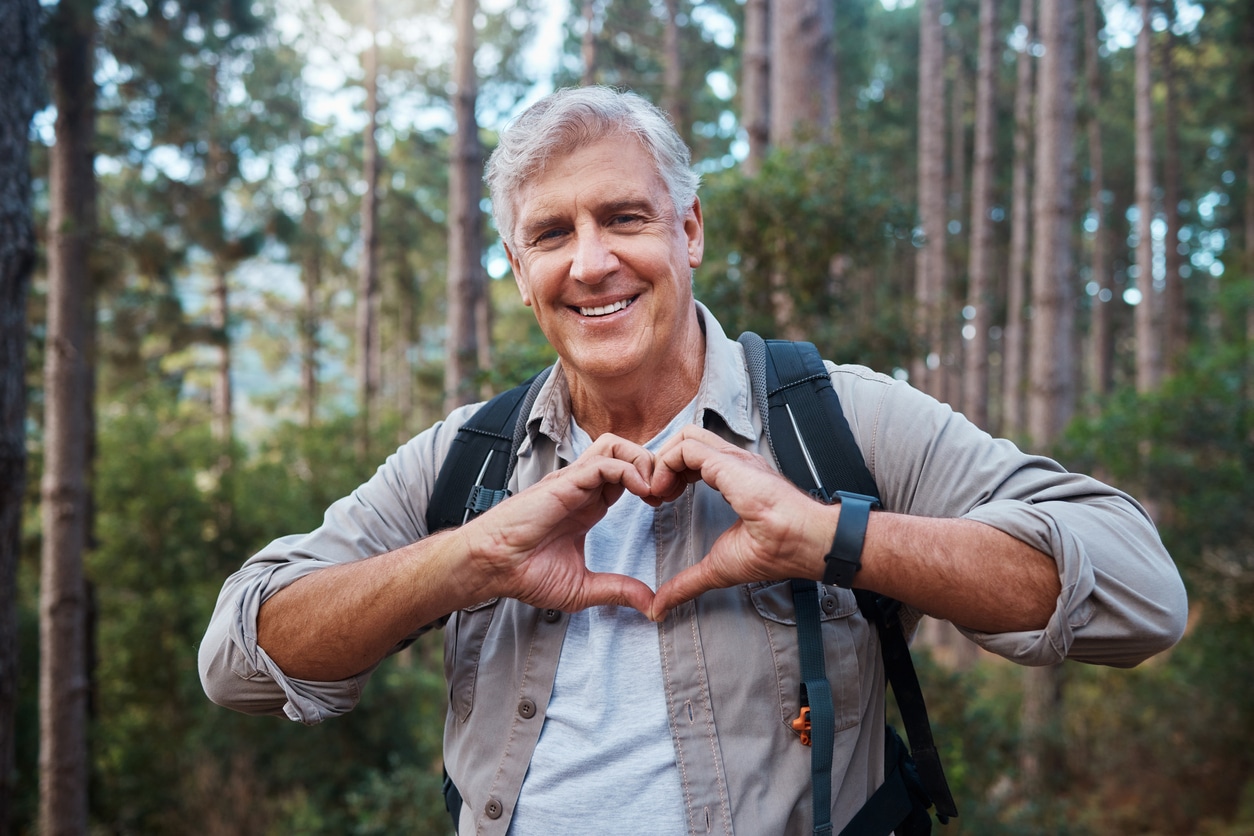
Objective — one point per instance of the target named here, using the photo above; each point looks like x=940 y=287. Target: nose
x=593 y=259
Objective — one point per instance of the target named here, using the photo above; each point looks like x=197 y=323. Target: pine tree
x=19 y=97
x=63 y=673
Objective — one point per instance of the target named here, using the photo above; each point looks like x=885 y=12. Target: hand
x=782 y=532
x=531 y=546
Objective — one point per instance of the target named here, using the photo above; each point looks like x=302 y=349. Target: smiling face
x=606 y=264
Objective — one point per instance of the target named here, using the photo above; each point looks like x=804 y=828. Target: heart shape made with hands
x=780 y=532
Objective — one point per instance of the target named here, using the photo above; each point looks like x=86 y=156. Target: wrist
x=467 y=560
x=844 y=558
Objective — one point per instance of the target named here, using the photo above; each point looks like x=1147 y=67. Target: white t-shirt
x=605 y=759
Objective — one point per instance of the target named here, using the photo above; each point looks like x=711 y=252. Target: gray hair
x=571 y=118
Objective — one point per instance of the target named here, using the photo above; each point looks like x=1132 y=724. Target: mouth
x=606 y=310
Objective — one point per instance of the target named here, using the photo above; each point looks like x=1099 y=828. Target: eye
x=548 y=237
x=625 y=219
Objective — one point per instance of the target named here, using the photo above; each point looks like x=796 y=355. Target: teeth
x=605 y=309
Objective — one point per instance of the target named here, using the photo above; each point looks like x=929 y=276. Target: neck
x=637 y=409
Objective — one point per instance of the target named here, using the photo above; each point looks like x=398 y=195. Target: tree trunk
x=1014 y=335
x=801 y=70
x=216 y=177
x=588 y=43
x=407 y=341
x=1147 y=337
x=466 y=284
x=63 y=675
x=311 y=280
x=930 y=262
x=220 y=319
x=20 y=80
x=1052 y=388
x=1101 y=332
x=674 y=97
x=755 y=83
x=1175 y=310
x=948 y=385
x=1249 y=220
x=1052 y=391
x=368 y=269
x=832 y=88
x=979 y=289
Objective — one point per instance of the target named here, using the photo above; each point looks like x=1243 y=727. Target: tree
x=802 y=71
x=975 y=371
x=1148 y=356
x=589 y=42
x=467 y=284
x=674 y=100
x=1174 y=310
x=310 y=246
x=63 y=673
x=19 y=98
x=368 y=365
x=1101 y=333
x=930 y=279
x=1052 y=387
x=1014 y=342
x=755 y=60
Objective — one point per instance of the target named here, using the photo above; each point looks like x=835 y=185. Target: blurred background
x=245 y=252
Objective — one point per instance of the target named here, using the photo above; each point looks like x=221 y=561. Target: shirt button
x=828 y=603
x=526 y=709
x=552 y=616
x=493 y=809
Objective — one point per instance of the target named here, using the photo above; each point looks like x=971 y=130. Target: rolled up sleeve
x=1122 y=599
x=237 y=673
x=385 y=513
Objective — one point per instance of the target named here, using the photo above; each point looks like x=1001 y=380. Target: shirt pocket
x=841 y=625
x=463 y=646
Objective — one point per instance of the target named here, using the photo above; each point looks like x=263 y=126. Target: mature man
x=582 y=701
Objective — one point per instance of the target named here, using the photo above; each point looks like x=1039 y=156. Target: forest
x=245 y=252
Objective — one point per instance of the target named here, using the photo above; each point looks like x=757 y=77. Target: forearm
x=963 y=571
x=338 y=621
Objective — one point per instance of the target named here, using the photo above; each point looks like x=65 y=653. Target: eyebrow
x=612 y=207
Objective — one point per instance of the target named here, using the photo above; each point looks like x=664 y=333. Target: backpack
x=814 y=447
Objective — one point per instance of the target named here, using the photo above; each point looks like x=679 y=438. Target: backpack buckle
x=482 y=498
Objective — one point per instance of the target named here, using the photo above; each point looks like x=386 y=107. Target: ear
x=516 y=268
x=694 y=230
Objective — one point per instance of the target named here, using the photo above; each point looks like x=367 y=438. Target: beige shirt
x=730 y=661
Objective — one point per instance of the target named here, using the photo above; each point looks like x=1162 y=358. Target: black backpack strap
x=481 y=460
x=899 y=805
x=899 y=669
x=452 y=799
x=815 y=448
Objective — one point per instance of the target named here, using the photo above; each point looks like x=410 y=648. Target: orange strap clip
x=801 y=724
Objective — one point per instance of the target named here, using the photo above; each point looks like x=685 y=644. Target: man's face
x=605 y=263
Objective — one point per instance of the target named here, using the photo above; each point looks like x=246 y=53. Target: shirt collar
x=724 y=391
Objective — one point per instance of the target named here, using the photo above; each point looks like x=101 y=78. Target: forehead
x=609 y=170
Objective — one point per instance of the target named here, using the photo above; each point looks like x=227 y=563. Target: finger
x=682 y=588
x=593 y=470
x=607 y=588
x=620 y=449
x=700 y=456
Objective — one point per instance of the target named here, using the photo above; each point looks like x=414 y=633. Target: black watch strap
x=845 y=558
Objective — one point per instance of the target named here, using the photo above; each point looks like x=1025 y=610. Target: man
x=579 y=699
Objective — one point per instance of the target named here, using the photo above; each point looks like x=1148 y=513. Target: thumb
x=604 y=588
x=680 y=589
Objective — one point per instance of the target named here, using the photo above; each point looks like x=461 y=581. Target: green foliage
x=171 y=523
x=822 y=224
x=1188 y=450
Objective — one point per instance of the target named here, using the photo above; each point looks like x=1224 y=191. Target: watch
x=845 y=557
